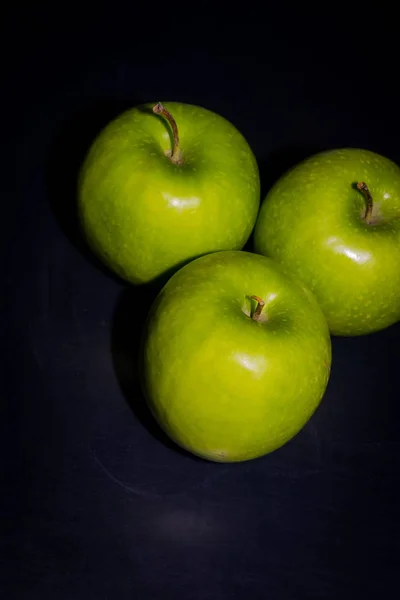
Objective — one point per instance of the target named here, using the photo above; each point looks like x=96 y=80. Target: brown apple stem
x=260 y=305
x=176 y=154
x=368 y=199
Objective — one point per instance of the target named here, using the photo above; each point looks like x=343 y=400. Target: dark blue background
x=95 y=502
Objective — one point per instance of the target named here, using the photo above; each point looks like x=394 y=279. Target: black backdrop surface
x=96 y=503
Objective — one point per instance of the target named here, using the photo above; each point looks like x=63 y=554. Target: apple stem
x=260 y=305
x=368 y=199
x=176 y=154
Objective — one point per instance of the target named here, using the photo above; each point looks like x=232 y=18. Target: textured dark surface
x=95 y=502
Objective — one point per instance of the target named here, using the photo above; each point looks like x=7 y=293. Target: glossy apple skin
x=312 y=222
x=145 y=216
x=223 y=386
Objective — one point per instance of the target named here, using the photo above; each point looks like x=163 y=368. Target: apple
x=236 y=356
x=334 y=221
x=163 y=184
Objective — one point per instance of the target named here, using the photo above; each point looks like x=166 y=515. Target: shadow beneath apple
x=64 y=161
x=126 y=336
x=367 y=380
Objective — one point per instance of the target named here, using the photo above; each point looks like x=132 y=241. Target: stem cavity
x=368 y=199
x=175 y=155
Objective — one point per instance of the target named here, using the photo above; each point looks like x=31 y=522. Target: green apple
x=236 y=356
x=163 y=184
x=334 y=221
